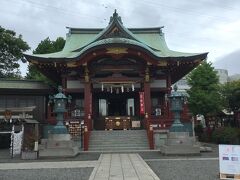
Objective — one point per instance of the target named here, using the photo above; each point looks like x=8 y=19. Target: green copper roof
x=79 y=41
x=22 y=84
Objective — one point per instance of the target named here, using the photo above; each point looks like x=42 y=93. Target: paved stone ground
x=122 y=167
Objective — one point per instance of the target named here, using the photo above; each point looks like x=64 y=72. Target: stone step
x=134 y=135
x=118 y=132
x=118 y=149
x=119 y=145
x=117 y=135
x=118 y=140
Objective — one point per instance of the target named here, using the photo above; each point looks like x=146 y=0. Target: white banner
x=229 y=159
x=16 y=142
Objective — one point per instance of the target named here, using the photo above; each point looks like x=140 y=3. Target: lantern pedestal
x=58 y=145
x=180 y=143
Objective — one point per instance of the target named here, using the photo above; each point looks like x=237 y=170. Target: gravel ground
x=186 y=169
x=158 y=155
x=182 y=168
x=5 y=158
x=47 y=174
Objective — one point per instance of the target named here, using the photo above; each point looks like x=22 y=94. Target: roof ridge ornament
x=115 y=17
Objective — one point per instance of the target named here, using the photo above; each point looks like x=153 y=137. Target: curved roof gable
x=80 y=40
x=114 y=30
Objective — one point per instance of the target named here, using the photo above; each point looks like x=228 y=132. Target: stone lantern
x=178 y=141
x=59 y=142
x=176 y=101
x=60 y=101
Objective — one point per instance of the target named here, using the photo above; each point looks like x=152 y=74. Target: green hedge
x=226 y=135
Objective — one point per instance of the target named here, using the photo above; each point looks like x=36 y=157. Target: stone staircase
x=118 y=140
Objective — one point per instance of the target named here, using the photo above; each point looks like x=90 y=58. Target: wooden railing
x=160 y=122
x=156 y=123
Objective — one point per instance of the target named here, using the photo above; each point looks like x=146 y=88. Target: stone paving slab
x=122 y=167
x=46 y=165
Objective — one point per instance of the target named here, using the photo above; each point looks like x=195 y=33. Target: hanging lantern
x=102 y=87
x=122 y=89
x=133 y=87
x=111 y=89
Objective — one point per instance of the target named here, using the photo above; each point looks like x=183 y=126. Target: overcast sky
x=190 y=26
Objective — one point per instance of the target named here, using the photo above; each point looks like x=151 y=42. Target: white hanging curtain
x=16 y=142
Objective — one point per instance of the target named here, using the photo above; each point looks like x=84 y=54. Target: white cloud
x=190 y=26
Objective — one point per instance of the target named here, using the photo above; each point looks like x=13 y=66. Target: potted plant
x=28 y=146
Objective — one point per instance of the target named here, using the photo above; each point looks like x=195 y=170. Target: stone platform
x=58 y=145
x=180 y=143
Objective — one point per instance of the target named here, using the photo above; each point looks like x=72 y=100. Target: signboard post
x=229 y=161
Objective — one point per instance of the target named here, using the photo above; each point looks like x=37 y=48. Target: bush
x=28 y=141
x=226 y=135
x=199 y=132
x=198 y=129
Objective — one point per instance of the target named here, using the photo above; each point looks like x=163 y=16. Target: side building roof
x=23 y=86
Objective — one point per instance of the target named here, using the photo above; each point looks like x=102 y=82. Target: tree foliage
x=204 y=96
x=11 y=51
x=44 y=47
x=231 y=94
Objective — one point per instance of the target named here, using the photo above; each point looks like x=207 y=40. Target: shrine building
x=119 y=78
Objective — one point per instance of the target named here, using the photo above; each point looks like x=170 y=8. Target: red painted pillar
x=169 y=83
x=87 y=114
x=147 y=99
x=148 y=126
x=87 y=105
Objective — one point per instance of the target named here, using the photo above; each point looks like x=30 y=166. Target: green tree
x=231 y=95
x=44 y=47
x=204 y=96
x=11 y=51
